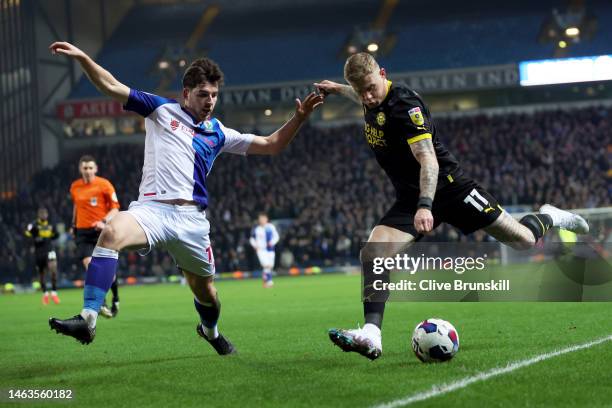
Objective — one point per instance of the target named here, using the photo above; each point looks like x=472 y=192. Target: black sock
x=538 y=224
x=374 y=300
x=373 y=313
x=43 y=285
x=53 y=283
x=209 y=314
x=115 y=291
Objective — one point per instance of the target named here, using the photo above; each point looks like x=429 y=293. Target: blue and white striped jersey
x=180 y=150
x=264 y=238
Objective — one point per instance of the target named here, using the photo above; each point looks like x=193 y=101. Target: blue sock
x=100 y=276
x=209 y=315
x=267 y=275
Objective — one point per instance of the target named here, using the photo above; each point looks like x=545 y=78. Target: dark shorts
x=42 y=260
x=463 y=204
x=86 y=240
x=43 y=257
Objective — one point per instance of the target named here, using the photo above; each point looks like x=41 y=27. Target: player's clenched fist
x=423 y=221
x=328 y=87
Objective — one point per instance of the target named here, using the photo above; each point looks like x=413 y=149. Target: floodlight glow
x=373 y=47
x=572 y=31
x=566 y=70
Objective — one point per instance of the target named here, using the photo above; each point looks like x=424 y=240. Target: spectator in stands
x=330 y=204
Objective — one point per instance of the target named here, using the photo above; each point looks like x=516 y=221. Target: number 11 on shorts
x=477 y=200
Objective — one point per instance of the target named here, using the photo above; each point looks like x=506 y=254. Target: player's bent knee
x=108 y=237
x=86 y=262
x=113 y=238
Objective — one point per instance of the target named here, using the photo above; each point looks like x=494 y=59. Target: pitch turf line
x=441 y=389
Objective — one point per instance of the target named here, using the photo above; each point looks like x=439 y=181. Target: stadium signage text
x=241 y=97
x=96 y=108
x=502 y=76
x=459 y=80
x=492 y=77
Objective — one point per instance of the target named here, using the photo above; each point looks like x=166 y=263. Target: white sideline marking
x=441 y=389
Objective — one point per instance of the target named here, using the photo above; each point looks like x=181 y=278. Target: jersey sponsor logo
x=175 y=124
x=187 y=130
x=93 y=201
x=381 y=119
x=45 y=233
x=375 y=136
x=416 y=116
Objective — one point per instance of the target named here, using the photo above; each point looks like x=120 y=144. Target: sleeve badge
x=416 y=116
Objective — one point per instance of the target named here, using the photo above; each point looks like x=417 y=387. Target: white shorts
x=266 y=258
x=181 y=229
x=51 y=256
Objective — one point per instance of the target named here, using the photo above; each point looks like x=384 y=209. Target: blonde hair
x=358 y=66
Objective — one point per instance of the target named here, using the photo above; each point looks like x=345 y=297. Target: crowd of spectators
x=326 y=191
x=88 y=128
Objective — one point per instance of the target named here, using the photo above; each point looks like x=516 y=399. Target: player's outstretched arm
x=101 y=78
x=277 y=141
x=425 y=154
x=330 y=87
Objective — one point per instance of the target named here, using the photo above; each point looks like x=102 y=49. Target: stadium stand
x=261 y=41
x=328 y=191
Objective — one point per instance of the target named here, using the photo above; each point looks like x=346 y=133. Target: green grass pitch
x=151 y=356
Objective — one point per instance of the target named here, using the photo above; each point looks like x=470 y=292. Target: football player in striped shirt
x=264 y=238
x=182 y=141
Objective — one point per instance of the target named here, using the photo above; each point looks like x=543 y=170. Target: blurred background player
x=95 y=204
x=400 y=132
x=263 y=239
x=42 y=233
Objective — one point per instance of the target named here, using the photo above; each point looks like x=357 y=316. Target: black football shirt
x=391 y=127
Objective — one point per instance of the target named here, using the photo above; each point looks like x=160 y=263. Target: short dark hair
x=87 y=158
x=200 y=71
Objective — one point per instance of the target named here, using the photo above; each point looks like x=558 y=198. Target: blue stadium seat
x=265 y=46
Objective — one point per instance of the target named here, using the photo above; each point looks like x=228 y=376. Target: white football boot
x=565 y=219
x=366 y=340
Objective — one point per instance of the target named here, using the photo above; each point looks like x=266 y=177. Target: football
x=435 y=340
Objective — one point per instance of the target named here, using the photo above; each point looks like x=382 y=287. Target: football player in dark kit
x=42 y=233
x=430 y=185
